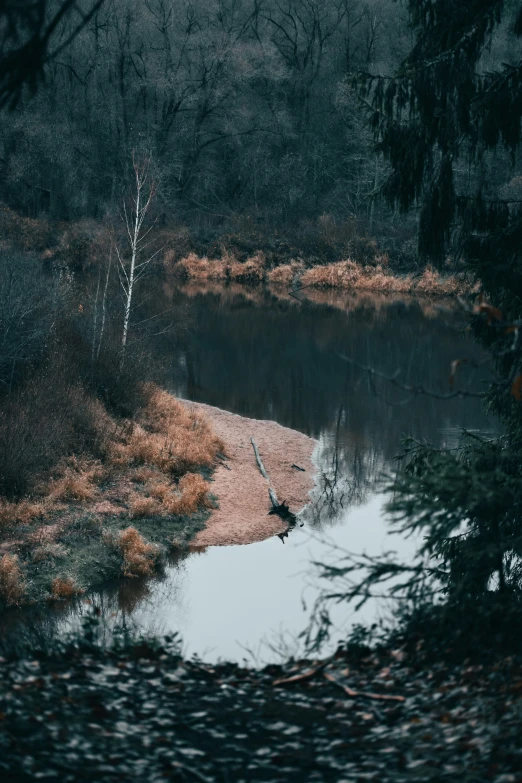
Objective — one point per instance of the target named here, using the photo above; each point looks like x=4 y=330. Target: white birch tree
x=134 y=261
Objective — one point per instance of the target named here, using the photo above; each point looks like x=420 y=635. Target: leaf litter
x=142 y=713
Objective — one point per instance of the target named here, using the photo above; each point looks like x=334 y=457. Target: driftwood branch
x=281 y=509
x=259 y=460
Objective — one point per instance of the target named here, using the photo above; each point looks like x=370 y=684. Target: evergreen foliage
x=439 y=122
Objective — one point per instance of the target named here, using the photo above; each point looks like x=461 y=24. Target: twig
x=303 y=677
x=392 y=379
x=298 y=468
x=359 y=694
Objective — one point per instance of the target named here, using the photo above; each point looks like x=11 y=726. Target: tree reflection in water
x=269 y=357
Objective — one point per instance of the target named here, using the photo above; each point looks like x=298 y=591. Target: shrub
x=12 y=583
x=139 y=556
x=49 y=550
x=43 y=422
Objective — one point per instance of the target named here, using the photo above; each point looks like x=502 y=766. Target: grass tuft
x=139 y=556
x=24 y=512
x=64 y=588
x=144 y=507
x=12 y=583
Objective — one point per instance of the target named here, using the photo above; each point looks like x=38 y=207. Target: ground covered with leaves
x=142 y=713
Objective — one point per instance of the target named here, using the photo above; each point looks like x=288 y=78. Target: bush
x=43 y=422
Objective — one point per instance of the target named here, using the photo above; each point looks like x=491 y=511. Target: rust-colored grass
x=164 y=498
x=168 y=436
x=144 y=507
x=139 y=556
x=194 y=267
x=76 y=480
x=285 y=274
x=347 y=275
x=24 y=512
x=12 y=583
x=64 y=588
x=192 y=495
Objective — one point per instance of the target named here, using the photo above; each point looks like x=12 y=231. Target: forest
x=260 y=390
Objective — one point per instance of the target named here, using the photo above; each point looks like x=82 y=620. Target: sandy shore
x=242 y=491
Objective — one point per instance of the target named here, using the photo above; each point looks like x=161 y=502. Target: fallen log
x=281 y=509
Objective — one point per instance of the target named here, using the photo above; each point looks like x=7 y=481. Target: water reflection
x=262 y=354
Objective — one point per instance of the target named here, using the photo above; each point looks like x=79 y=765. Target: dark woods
x=448 y=123
x=244 y=106
x=275 y=123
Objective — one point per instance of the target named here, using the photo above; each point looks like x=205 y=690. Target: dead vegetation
x=12 y=582
x=64 y=588
x=75 y=480
x=149 y=474
x=168 y=436
x=194 y=267
x=286 y=274
x=345 y=275
x=24 y=512
x=140 y=557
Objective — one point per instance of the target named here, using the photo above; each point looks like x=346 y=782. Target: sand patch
x=242 y=517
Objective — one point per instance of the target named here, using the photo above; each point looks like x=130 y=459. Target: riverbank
x=179 y=475
x=117 y=516
x=345 y=275
x=356 y=263
x=141 y=712
x=242 y=516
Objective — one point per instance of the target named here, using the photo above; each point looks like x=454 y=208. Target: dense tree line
x=243 y=105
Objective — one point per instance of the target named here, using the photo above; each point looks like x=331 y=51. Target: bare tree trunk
x=104 y=303
x=134 y=216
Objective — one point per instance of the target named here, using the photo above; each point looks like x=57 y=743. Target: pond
x=300 y=362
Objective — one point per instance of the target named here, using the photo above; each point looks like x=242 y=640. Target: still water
x=271 y=356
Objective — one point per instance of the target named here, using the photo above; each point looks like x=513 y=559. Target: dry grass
x=194 y=267
x=192 y=495
x=24 y=512
x=76 y=480
x=12 y=583
x=139 y=556
x=64 y=588
x=144 y=507
x=347 y=275
x=163 y=498
x=169 y=437
x=285 y=274
x=343 y=275
x=250 y=271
